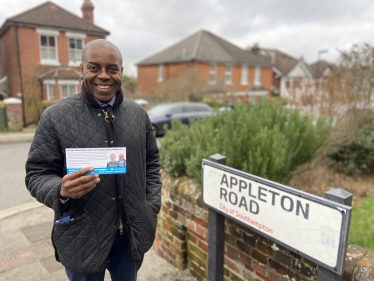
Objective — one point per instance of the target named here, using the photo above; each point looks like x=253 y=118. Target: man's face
x=112 y=157
x=121 y=156
x=102 y=73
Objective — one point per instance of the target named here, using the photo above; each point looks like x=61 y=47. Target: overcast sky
x=298 y=27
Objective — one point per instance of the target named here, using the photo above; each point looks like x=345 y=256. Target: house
x=288 y=72
x=205 y=66
x=40 y=54
x=321 y=69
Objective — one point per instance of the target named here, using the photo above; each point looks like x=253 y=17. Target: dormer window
x=76 y=43
x=48 y=46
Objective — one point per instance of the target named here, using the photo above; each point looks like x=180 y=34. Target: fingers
x=79 y=173
x=82 y=189
x=82 y=180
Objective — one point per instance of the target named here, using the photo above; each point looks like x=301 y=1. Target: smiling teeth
x=103 y=87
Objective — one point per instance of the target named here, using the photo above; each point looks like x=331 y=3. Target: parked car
x=164 y=113
x=223 y=108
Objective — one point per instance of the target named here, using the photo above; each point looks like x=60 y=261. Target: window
x=50 y=92
x=68 y=91
x=213 y=74
x=48 y=46
x=228 y=74
x=160 y=73
x=244 y=75
x=75 y=50
x=257 y=76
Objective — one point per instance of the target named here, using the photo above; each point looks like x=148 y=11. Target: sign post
x=311 y=226
x=216 y=236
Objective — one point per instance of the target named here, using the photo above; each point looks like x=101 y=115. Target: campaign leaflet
x=108 y=160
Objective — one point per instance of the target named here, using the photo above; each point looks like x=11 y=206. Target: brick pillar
x=14 y=114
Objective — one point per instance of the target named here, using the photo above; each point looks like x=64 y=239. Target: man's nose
x=103 y=74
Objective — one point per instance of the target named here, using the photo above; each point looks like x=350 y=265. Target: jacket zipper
x=107 y=119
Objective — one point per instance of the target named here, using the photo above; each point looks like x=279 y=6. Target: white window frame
x=257 y=78
x=244 y=78
x=48 y=33
x=228 y=74
x=160 y=73
x=47 y=83
x=213 y=73
x=73 y=35
x=68 y=83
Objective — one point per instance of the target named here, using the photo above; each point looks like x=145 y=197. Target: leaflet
x=108 y=160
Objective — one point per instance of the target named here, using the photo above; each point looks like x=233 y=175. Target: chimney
x=87 y=10
x=256 y=48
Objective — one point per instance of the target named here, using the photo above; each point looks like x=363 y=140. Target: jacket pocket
x=76 y=244
x=149 y=227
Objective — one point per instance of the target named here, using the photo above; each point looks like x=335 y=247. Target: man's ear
x=122 y=71
x=81 y=69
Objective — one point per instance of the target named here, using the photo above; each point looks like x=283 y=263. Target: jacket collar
x=90 y=100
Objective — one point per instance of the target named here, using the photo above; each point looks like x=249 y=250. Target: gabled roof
x=49 y=14
x=282 y=61
x=318 y=68
x=61 y=73
x=204 y=46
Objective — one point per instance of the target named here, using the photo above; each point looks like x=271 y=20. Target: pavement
x=26 y=251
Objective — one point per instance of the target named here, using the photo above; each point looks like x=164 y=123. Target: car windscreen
x=160 y=109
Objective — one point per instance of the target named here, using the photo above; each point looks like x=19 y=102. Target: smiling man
x=105 y=222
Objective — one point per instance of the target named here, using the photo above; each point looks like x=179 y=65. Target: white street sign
x=304 y=223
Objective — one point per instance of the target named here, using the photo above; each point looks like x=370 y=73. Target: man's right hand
x=77 y=184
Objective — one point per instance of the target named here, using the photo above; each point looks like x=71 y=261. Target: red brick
x=250 y=240
x=165 y=209
x=247 y=261
x=262 y=277
x=192 y=238
x=264 y=248
x=201 y=231
x=191 y=225
x=166 y=226
x=182 y=219
x=232 y=253
x=280 y=268
x=199 y=221
x=173 y=214
x=231 y=265
x=203 y=246
x=275 y=276
x=259 y=268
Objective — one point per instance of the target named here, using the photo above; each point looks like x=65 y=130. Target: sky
x=299 y=28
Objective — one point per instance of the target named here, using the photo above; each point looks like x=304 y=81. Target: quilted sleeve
x=153 y=167
x=44 y=166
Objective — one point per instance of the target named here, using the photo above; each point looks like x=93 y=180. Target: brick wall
x=182 y=234
x=148 y=75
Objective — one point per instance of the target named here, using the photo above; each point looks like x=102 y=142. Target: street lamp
x=318 y=58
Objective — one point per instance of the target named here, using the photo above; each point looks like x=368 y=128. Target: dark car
x=164 y=113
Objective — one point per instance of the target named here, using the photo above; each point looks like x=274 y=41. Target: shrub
x=352 y=144
x=264 y=140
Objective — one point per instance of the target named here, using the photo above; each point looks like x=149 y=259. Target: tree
x=129 y=86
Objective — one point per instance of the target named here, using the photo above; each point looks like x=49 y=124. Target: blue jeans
x=120 y=265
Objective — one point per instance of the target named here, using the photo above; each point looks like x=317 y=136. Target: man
x=122 y=160
x=113 y=162
x=107 y=221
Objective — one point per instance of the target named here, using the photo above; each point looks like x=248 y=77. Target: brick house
x=221 y=70
x=290 y=73
x=40 y=54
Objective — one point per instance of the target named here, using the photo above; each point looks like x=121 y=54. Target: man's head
x=101 y=69
x=121 y=156
x=112 y=157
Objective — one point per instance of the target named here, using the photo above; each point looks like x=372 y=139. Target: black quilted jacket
x=78 y=122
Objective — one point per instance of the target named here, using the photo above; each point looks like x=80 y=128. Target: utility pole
x=319 y=59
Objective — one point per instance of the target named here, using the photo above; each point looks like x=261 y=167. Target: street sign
x=311 y=226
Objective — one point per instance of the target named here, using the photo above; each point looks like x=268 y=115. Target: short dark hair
x=100 y=43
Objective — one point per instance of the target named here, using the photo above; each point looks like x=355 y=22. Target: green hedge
x=264 y=140
x=352 y=146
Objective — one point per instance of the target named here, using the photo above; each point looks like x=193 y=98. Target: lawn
x=362 y=225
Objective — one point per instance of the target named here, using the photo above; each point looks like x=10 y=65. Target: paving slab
x=26 y=252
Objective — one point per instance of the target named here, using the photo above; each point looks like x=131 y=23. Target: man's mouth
x=103 y=87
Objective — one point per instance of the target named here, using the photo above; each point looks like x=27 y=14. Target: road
x=13 y=191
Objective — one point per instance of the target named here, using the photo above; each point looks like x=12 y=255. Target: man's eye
x=113 y=69
x=92 y=67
